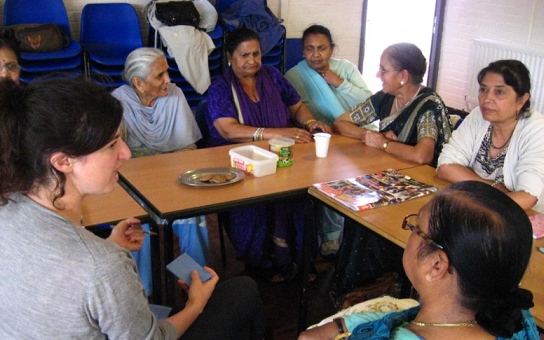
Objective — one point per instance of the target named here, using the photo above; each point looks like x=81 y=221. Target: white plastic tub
x=253 y=160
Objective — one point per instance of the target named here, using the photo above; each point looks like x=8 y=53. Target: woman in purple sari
x=248 y=103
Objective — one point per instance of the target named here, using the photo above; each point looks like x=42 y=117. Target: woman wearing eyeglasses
x=414 y=123
x=9 y=60
x=468 y=251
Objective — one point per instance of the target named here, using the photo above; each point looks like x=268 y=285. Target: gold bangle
x=309 y=122
x=342 y=336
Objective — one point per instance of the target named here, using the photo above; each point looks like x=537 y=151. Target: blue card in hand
x=182 y=267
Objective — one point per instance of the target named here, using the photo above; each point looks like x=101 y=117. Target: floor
x=281 y=300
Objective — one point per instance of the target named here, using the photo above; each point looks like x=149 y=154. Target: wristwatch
x=342 y=334
x=384 y=146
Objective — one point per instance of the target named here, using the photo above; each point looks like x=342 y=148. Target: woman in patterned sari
x=414 y=123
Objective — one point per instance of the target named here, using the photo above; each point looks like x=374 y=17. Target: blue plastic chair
x=42 y=12
x=109 y=32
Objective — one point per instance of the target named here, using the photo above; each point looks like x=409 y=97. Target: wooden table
x=386 y=221
x=154 y=180
x=110 y=208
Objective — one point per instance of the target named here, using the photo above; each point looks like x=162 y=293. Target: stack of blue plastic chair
x=34 y=64
x=109 y=32
x=276 y=56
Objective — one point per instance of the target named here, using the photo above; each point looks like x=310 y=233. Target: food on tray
x=217 y=178
x=205 y=178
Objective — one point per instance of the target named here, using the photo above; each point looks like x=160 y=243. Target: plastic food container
x=253 y=160
x=283 y=148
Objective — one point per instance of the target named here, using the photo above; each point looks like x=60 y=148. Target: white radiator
x=486 y=51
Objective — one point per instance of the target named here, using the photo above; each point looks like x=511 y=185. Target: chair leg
x=222 y=222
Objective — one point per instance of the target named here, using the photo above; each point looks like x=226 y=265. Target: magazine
x=375 y=190
x=538 y=225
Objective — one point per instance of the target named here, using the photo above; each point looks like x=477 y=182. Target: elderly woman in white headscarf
x=157 y=119
x=156 y=114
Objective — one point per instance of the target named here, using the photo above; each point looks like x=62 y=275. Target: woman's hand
x=374 y=139
x=128 y=234
x=331 y=78
x=391 y=135
x=319 y=126
x=200 y=292
x=297 y=134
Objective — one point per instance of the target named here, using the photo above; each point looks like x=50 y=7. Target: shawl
x=169 y=125
x=390 y=325
x=324 y=99
x=404 y=122
x=270 y=111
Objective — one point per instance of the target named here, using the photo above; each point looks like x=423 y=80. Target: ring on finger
x=297 y=136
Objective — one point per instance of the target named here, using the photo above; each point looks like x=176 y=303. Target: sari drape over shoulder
x=325 y=101
x=425 y=116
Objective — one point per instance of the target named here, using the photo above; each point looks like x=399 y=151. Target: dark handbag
x=175 y=13
x=37 y=37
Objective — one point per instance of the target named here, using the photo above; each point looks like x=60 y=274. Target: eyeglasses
x=408 y=224
x=10 y=67
x=383 y=71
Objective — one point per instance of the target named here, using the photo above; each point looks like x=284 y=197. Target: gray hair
x=139 y=63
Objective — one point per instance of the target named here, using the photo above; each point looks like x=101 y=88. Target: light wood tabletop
x=155 y=179
x=386 y=221
x=112 y=207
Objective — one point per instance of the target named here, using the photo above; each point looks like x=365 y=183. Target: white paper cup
x=322 y=140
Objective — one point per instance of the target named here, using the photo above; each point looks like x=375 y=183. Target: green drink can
x=283 y=148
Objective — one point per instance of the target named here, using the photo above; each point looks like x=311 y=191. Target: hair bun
x=503 y=317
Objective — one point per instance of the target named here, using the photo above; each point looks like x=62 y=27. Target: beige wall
x=520 y=22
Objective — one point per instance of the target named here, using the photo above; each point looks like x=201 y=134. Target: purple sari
x=265 y=236
x=276 y=95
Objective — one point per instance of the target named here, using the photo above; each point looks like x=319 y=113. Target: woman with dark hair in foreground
x=468 y=250
x=60 y=143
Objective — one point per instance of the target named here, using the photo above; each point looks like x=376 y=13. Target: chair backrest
x=113 y=23
x=200 y=117
x=36 y=12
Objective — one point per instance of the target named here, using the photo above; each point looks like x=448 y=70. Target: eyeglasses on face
x=383 y=71
x=10 y=67
x=410 y=223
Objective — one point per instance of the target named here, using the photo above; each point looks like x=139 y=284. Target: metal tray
x=191 y=177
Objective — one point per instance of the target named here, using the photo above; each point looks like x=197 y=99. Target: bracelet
x=258 y=134
x=308 y=123
x=342 y=334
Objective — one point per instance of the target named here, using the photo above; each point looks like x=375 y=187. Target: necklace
x=440 y=324
x=403 y=106
x=502 y=146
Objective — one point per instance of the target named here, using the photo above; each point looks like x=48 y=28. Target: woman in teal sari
x=326 y=85
x=468 y=250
